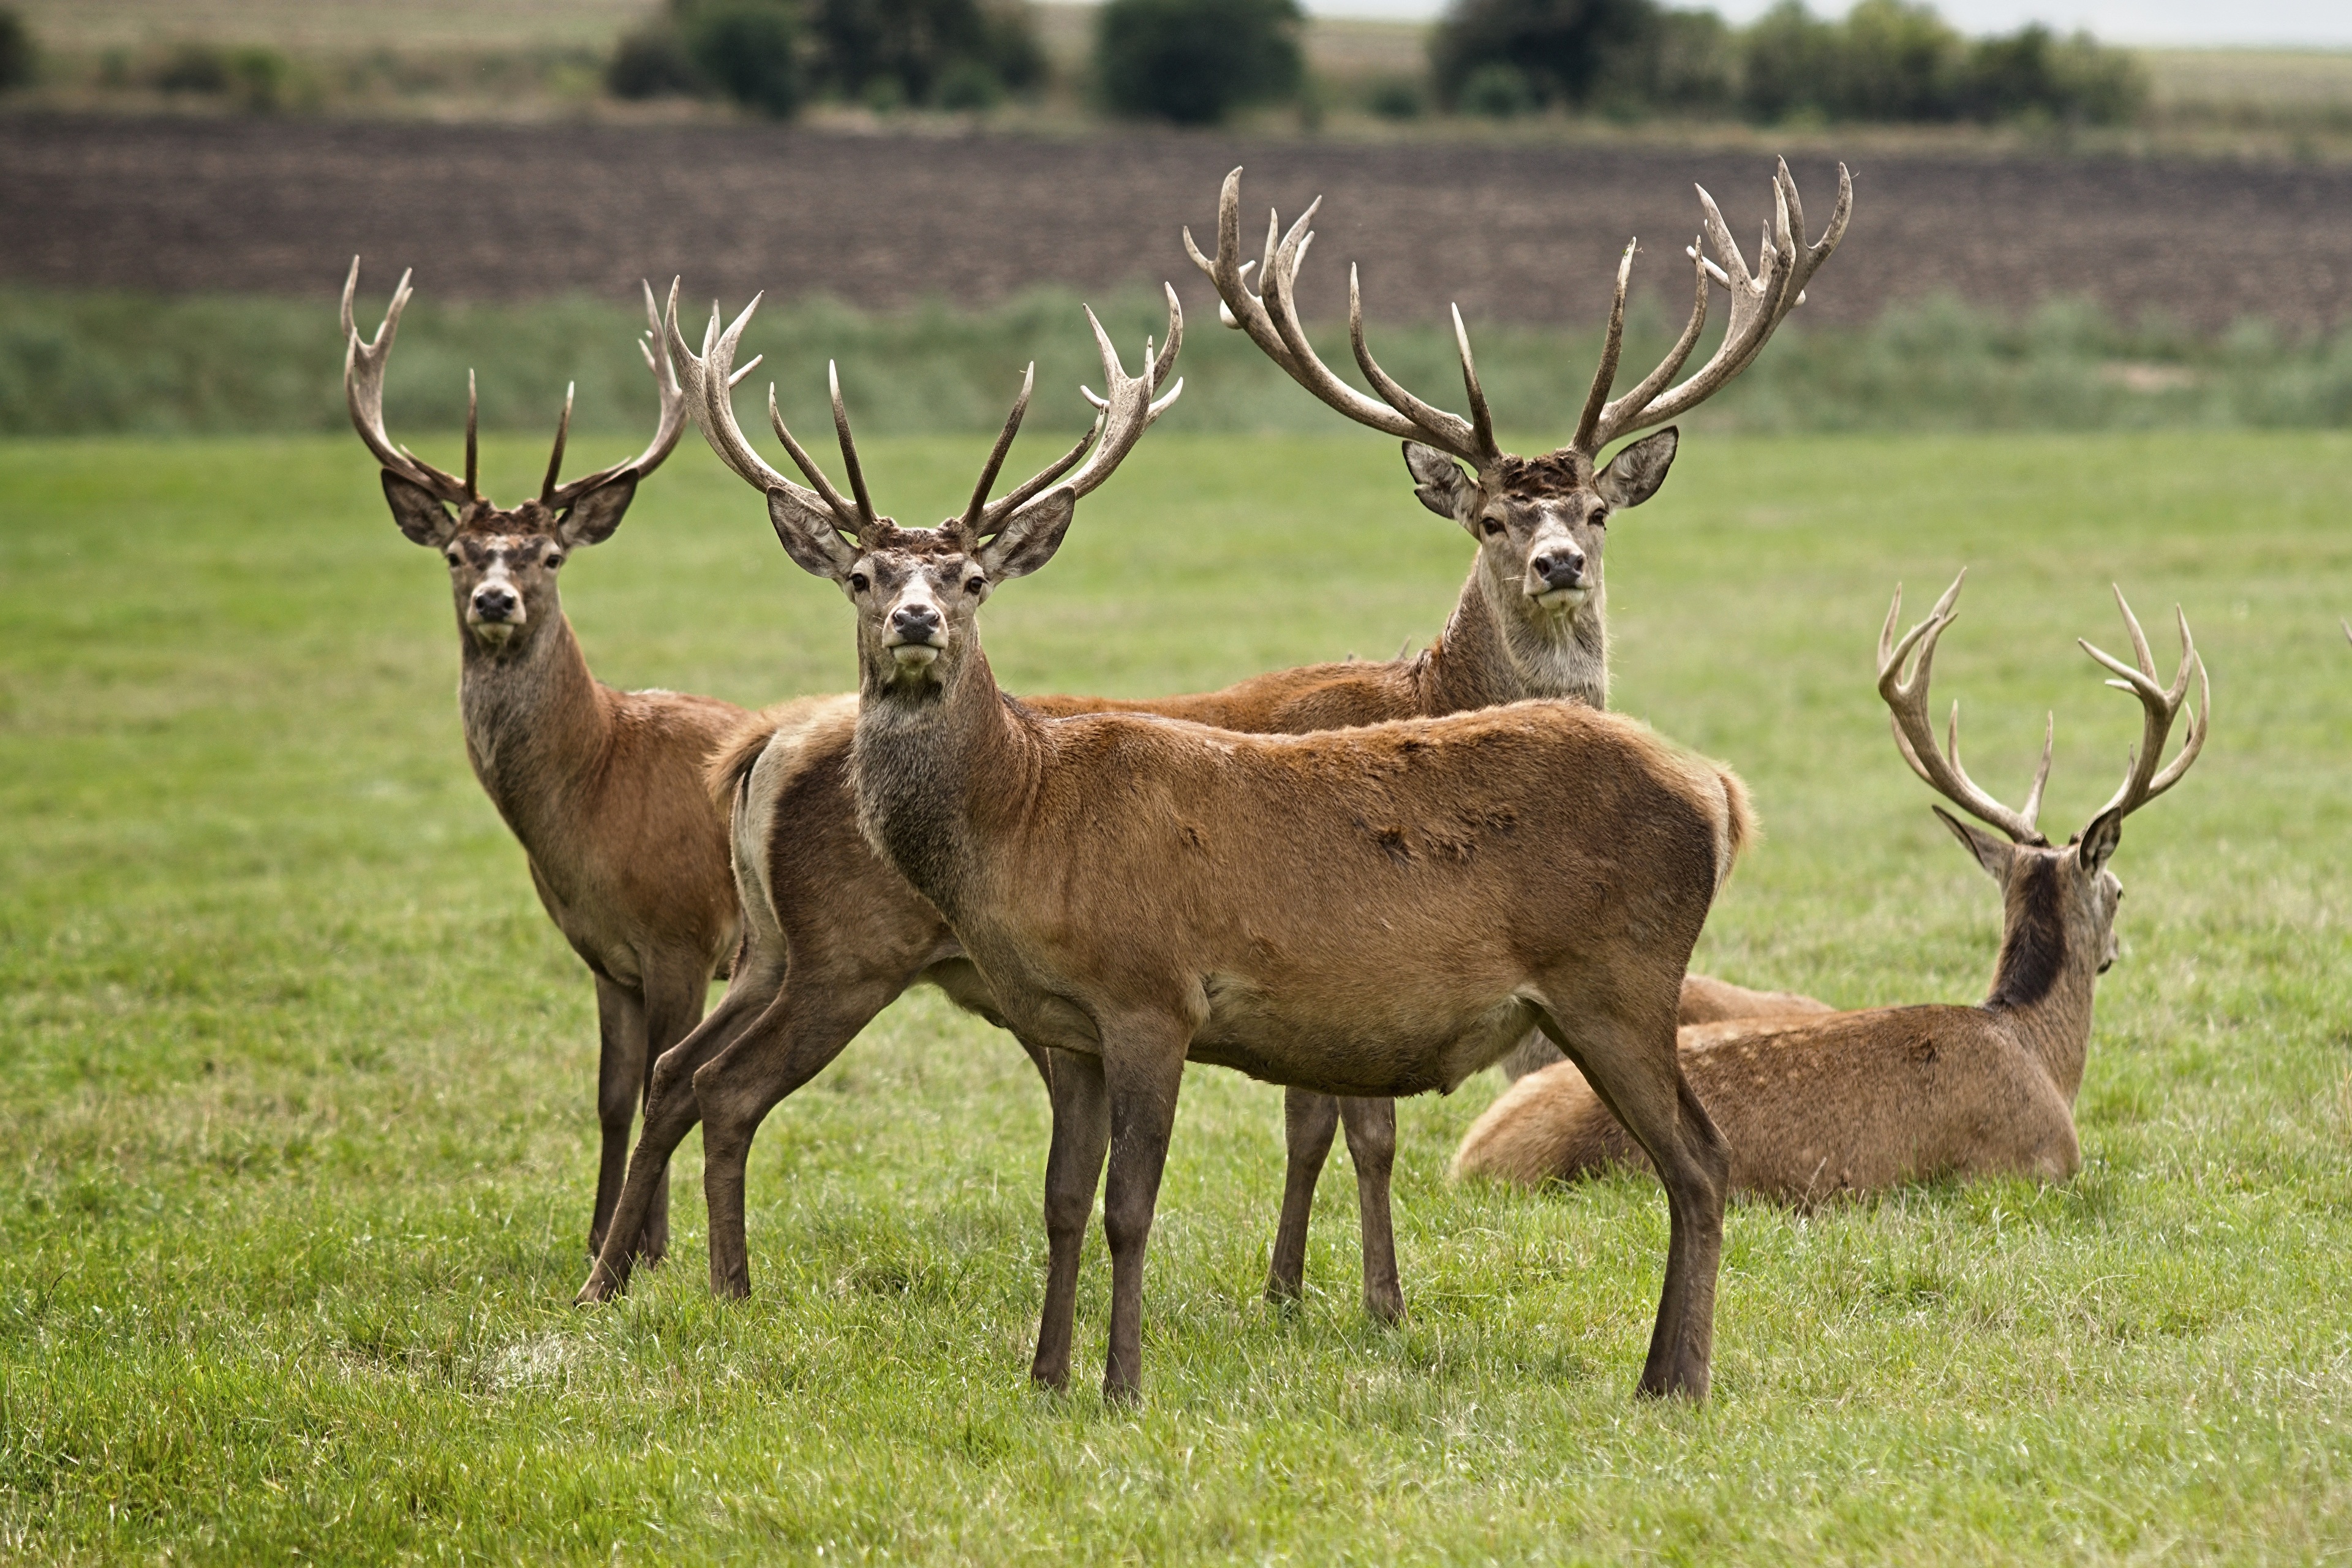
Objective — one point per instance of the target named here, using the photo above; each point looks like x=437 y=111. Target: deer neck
x=536 y=723
x=2047 y=975
x=1497 y=648
x=937 y=768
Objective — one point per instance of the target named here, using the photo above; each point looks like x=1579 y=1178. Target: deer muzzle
x=494 y=610
x=917 y=634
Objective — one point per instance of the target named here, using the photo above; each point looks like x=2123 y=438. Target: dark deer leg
x=1143 y=1066
x=1074 y=1166
x=620 y=1076
x=1308 y=1121
x=1371 y=1147
x=673 y=1009
x=1633 y=1067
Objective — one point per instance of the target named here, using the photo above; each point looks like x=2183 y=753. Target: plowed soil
x=1523 y=233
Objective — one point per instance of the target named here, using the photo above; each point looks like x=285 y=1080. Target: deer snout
x=1555 y=568
x=917 y=633
x=495 y=602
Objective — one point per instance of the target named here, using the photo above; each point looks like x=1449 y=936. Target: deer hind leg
x=1308 y=1121
x=620 y=1073
x=1631 y=1064
x=1143 y=1066
x=671 y=1113
x=1371 y=1147
x=673 y=1009
x=790 y=1043
x=1074 y=1167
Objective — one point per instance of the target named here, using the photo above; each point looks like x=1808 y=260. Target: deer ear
x=419 y=512
x=1439 y=481
x=2099 y=840
x=1634 y=474
x=1993 y=852
x=1029 y=541
x=810 y=538
x=591 y=518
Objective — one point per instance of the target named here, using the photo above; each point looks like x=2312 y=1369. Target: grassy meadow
x=297 y=1142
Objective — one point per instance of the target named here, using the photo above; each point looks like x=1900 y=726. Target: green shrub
x=653 y=62
x=2034 y=72
x=918 y=47
x=1497 y=90
x=1397 y=98
x=1564 y=50
x=750 y=48
x=19 y=60
x=1194 y=61
x=257 y=79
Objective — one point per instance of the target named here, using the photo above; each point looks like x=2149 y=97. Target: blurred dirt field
x=1522 y=233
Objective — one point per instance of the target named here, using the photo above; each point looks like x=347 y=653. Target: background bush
x=18 y=59
x=1194 y=61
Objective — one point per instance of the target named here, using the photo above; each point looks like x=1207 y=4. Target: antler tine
x=2160 y=706
x=668 y=428
x=555 y=459
x=473 y=445
x=1914 y=733
x=1759 y=303
x=865 y=513
x=1270 y=318
x=711 y=377
x=363 y=362
x=971 y=513
x=1605 y=375
x=1128 y=410
x=1481 y=423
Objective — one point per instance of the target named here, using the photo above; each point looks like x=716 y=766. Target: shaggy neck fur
x=1494 y=651
x=536 y=721
x=2048 y=973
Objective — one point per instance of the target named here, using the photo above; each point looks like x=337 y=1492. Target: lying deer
x=1527 y=624
x=1860 y=1101
x=1134 y=891
x=604 y=788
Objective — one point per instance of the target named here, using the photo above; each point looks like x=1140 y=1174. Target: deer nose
x=1558 y=568
x=494 y=603
x=915 y=622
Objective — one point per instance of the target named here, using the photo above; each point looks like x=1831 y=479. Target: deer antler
x=1786 y=262
x=363 y=362
x=2160 y=706
x=1128 y=410
x=1271 y=320
x=1914 y=732
x=666 y=430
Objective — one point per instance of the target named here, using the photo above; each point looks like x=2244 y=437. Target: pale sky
x=2301 y=23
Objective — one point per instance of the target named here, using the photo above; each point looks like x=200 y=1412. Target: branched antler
x=666 y=430
x=2159 y=707
x=1914 y=732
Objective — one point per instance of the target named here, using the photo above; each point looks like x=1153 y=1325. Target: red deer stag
x=1860 y=1101
x=789 y=766
x=1135 y=891
x=604 y=788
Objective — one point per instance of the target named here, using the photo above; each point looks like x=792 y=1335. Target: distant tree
x=1789 y=56
x=750 y=48
x=1194 y=61
x=653 y=62
x=2032 y=70
x=1565 y=50
x=1898 y=62
x=19 y=61
x=923 y=48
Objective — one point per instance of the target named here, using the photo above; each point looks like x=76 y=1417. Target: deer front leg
x=620 y=1075
x=671 y=1113
x=673 y=1009
x=1073 y=1164
x=1308 y=1121
x=1371 y=1148
x=1141 y=1071
x=1631 y=1064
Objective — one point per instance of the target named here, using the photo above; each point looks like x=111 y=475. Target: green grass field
x=296 y=1137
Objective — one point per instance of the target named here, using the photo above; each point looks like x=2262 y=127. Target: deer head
x=917 y=590
x=2057 y=900
x=502 y=561
x=1540 y=522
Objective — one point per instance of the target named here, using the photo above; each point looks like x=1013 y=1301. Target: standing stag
x=1860 y=1101
x=1134 y=891
x=823 y=910
x=604 y=788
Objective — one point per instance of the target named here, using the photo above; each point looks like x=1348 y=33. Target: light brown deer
x=1539 y=546
x=1861 y=1102
x=602 y=788
x=1370 y=912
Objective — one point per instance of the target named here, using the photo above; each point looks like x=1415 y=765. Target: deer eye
x=1599 y=518
x=554 y=558
x=1493 y=529
x=456 y=557
x=859 y=583
x=975 y=586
